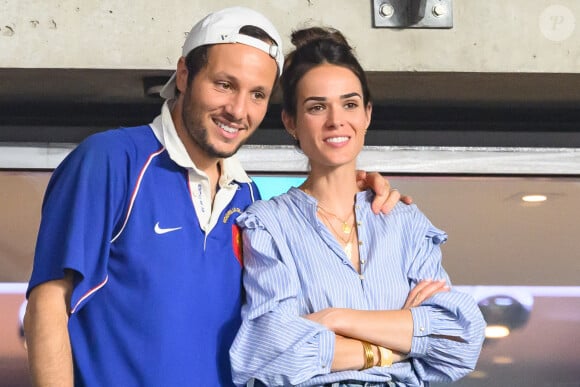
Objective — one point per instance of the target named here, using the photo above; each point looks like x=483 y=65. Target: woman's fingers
x=423 y=291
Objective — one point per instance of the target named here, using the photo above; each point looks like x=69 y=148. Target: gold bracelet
x=386 y=357
x=369 y=355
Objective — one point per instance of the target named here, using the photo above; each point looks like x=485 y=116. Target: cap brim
x=168 y=91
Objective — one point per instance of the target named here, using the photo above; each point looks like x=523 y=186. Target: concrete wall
x=487 y=36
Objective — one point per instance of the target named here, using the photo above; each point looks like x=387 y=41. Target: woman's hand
x=423 y=291
x=324 y=317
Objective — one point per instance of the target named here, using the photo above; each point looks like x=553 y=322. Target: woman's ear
x=369 y=111
x=289 y=123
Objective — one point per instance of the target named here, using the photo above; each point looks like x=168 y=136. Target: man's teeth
x=228 y=129
x=337 y=139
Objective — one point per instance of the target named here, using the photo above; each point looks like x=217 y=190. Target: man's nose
x=237 y=106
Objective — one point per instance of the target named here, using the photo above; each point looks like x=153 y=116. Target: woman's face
x=331 y=117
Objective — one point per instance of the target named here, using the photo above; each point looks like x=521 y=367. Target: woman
x=338 y=296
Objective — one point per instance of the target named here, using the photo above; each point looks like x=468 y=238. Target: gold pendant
x=346 y=228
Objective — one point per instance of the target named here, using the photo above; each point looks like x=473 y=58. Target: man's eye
x=259 y=95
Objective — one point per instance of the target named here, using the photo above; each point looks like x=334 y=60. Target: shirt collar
x=164 y=130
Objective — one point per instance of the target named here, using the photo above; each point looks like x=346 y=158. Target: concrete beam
x=487 y=36
x=385 y=159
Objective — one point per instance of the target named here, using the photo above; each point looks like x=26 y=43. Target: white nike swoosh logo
x=159 y=230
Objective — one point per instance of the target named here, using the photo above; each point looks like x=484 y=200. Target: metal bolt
x=439 y=10
x=386 y=10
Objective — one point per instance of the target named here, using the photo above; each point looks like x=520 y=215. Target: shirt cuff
x=327 y=340
x=421 y=332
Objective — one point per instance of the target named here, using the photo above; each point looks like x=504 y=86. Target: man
x=137 y=274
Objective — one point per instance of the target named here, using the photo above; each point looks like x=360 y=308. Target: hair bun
x=304 y=36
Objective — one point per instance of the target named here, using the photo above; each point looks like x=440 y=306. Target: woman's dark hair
x=316 y=46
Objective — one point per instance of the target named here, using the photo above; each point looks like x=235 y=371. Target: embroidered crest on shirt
x=230 y=212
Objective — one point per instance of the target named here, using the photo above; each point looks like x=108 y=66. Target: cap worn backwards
x=223 y=27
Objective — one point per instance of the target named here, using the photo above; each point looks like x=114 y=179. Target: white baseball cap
x=223 y=27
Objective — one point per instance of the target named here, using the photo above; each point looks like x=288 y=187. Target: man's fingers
x=390 y=202
x=361 y=179
x=407 y=199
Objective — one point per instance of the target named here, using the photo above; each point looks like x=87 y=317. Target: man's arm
x=385 y=197
x=46 y=333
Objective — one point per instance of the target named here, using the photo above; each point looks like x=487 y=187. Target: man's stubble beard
x=198 y=133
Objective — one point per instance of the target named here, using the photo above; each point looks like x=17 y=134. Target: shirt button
x=362 y=261
x=362 y=277
x=422 y=329
x=360 y=243
x=359 y=224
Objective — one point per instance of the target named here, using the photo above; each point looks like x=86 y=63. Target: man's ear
x=181 y=75
x=289 y=123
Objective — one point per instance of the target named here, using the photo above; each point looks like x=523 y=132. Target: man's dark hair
x=198 y=57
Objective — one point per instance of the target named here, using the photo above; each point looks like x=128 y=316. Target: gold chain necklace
x=346 y=226
x=348 y=242
x=336 y=233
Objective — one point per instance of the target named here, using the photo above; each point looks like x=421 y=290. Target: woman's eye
x=316 y=108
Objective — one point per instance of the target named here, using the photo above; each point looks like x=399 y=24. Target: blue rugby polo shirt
x=158 y=273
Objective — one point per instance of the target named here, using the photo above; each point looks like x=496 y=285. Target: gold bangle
x=386 y=357
x=369 y=355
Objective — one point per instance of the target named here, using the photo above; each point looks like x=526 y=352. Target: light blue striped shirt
x=294 y=266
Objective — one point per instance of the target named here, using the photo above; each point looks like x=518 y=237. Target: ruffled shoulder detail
x=264 y=214
x=436 y=235
x=249 y=220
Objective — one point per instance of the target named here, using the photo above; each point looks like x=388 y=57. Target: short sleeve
x=83 y=202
